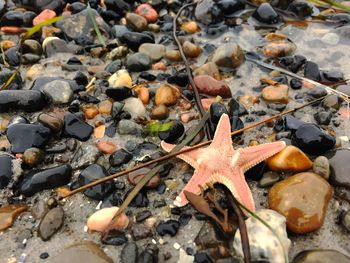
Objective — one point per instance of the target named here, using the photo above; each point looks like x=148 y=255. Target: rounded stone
x=228 y=55
x=321 y=167
x=58 y=91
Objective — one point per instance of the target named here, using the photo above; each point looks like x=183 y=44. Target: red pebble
x=147 y=12
x=11 y=29
x=43 y=16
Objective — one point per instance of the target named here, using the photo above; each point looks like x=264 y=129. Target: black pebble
x=76 y=128
x=169 y=227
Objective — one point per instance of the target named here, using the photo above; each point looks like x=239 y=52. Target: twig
x=173 y=154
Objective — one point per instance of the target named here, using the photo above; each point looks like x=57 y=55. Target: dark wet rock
x=76 y=128
x=25 y=136
x=79 y=27
x=28 y=17
x=333 y=75
x=51 y=223
x=58 y=91
x=76 y=7
x=119 y=30
x=140 y=200
x=159 y=203
x=236 y=109
x=2 y=7
x=143 y=215
x=311 y=71
x=27 y=100
x=134 y=40
x=32 y=46
x=216 y=110
x=292 y=123
x=120 y=6
x=44 y=255
x=229 y=7
x=292 y=63
x=266 y=14
x=86 y=251
x=295 y=84
x=138 y=62
x=33 y=156
x=56 y=45
x=6 y=170
x=169 y=227
x=184 y=219
x=92 y=173
x=301 y=9
x=129 y=253
x=115 y=238
x=119 y=93
x=120 y=157
x=311 y=139
x=39 y=180
x=323 y=117
x=207 y=237
x=320 y=255
x=12 y=18
x=345 y=220
x=175 y=132
x=339 y=162
x=51 y=121
x=150 y=254
x=201 y=257
x=87 y=154
x=114 y=199
x=140 y=231
x=40 y=82
x=12 y=56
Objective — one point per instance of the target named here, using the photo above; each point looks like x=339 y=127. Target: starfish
x=220 y=163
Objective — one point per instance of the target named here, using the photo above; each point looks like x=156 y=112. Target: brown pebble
x=105 y=107
x=90 y=111
x=173 y=55
x=167 y=95
x=106 y=147
x=160 y=112
x=51 y=120
x=191 y=50
x=143 y=94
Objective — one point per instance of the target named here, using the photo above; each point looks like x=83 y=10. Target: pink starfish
x=220 y=163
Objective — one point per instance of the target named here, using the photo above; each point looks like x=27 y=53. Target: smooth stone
x=228 y=55
x=148 y=12
x=140 y=231
x=279 y=48
x=191 y=50
x=39 y=180
x=119 y=93
x=266 y=14
x=51 y=223
x=86 y=251
x=264 y=245
x=32 y=46
x=27 y=100
x=289 y=159
x=100 y=220
x=54 y=45
x=129 y=127
x=292 y=123
x=160 y=112
x=6 y=170
x=339 y=162
x=276 y=94
x=210 y=86
x=9 y=213
x=129 y=253
x=216 y=110
x=292 y=63
x=167 y=95
x=92 y=173
x=345 y=220
x=142 y=216
x=210 y=69
x=311 y=71
x=303 y=199
x=150 y=254
x=269 y=179
x=120 y=157
x=140 y=200
x=311 y=139
x=323 y=117
x=320 y=255
x=33 y=156
x=321 y=167
x=106 y=147
x=87 y=154
x=169 y=227
x=175 y=132
x=115 y=238
x=229 y=7
x=137 y=22
x=134 y=40
x=76 y=128
x=39 y=209
x=44 y=15
x=80 y=28
x=154 y=51
x=138 y=62
x=52 y=121
x=135 y=177
x=135 y=107
x=25 y=136
x=58 y=91
x=12 y=18
x=120 y=78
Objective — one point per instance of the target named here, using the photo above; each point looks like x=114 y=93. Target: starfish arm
x=222 y=138
x=189 y=157
x=251 y=156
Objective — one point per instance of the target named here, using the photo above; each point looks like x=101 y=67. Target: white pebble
x=177 y=246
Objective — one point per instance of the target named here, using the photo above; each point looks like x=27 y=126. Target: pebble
x=320 y=255
x=137 y=22
x=86 y=251
x=99 y=220
x=120 y=78
x=276 y=94
x=119 y=93
x=210 y=86
x=39 y=209
x=203 y=11
x=160 y=112
x=134 y=40
x=190 y=27
x=191 y=50
x=54 y=45
x=129 y=127
x=321 y=167
x=9 y=213
x=311 y=139
x=92 y=173
x=140 y=231
x=323 y=117
x=311 y=71
x=115 y=238
x=150 y=254
x=339 y=162
x=201 y=257
x=6 y=170
x=106 y=147
x=138 y=62
x=289 y=159
x=303 y=199
x=120 y=157
x=140 y=200
x=51 y=223
x=46 y=14
x=147 y=12
x=167 y=95
x=33 y=156
x=135 y=177
x=76 y=128
x=135 y=107
x=87 y=154
x=175 y=132
x=278 y=48
x=52 y=121
x=27 y=100
x=24 y=136
x=266 y=14
x=173 y=55
x=58 y=91
x=228 y=55
x=36 y=181
x=154 y=51
x=264 y=245
x=210 y=69
x=143 y=94
x=269 y=179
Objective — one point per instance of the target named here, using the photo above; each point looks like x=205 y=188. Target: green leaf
x=31 y=31
x=10 y=79
x=159 y=127
x=101 y=38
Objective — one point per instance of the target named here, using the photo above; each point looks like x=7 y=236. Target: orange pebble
x=159 y=66
x=106 y=147
x=90 y=111
x=43 y=16
x=11 y=29
x=105 y=107
x=143 y=94
x=99 y=131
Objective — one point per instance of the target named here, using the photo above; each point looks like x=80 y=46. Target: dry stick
x=170 y=155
